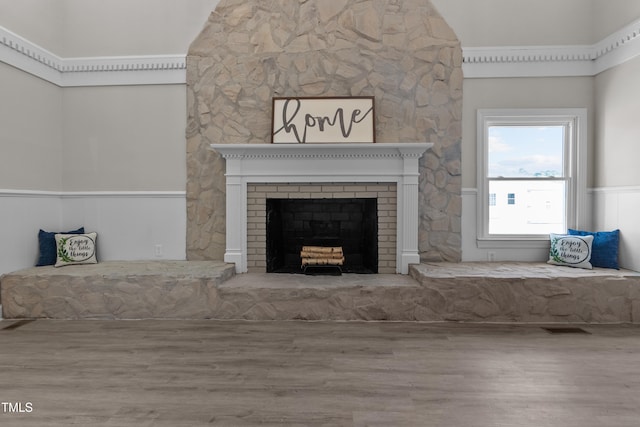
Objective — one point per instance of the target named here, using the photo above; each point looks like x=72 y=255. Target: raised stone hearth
x=467 y=292
x=461 y=292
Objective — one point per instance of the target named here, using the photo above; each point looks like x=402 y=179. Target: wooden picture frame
x=317 y=120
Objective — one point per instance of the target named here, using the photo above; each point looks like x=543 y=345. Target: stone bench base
x=529 y=292
x=115 y=290
x=468 y=292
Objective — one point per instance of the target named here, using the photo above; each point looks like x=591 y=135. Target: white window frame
x=575 y=121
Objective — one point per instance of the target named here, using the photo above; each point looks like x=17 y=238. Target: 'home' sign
x=323 y=120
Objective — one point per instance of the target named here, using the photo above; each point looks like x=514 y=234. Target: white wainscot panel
x=22 y=214
x=131 y=226
x=617 y=208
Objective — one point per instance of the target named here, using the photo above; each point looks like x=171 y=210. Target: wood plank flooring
x=199 y=373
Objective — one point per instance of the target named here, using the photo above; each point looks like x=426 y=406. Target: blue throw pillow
x=47 y=244
x=605 y=247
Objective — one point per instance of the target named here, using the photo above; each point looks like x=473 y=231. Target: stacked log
x=322 y=255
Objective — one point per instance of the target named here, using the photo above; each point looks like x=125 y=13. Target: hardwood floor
x=196 y=373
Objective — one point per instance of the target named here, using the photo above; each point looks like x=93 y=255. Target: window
x=531 y=174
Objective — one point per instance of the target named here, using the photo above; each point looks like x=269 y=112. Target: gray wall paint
x=617 y=126
x=124 y=138
x=30 y=132
x=557 y=92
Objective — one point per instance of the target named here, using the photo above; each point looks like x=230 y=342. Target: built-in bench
x=529 y=292
x=115 y=290
x=471 y=292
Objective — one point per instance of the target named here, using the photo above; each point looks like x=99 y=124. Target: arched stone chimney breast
x=400 y=51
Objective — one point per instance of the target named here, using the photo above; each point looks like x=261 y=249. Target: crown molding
x=528 y=61
x=553 y=61
x=20 y=53
x=618 y=48
x=478 y=62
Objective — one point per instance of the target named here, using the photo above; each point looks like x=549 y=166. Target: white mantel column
x=236 y=213
x=408 y=212
x=236 y=222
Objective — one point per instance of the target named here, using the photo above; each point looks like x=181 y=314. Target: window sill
x=537 y=243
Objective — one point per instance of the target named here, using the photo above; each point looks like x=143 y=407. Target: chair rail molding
x=94 y=194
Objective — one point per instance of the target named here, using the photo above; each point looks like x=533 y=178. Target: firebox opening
x=348 y=223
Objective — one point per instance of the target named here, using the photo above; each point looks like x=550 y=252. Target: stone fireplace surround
x=402 y=53
x=322 y=163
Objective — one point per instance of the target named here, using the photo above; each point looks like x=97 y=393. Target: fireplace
x=385 y=172
x=331 y=203
x=350 y=224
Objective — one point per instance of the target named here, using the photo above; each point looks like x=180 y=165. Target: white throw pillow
x=76 y=249
x=571 y=251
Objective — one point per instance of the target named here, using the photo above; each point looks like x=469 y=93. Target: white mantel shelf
x=314 y=163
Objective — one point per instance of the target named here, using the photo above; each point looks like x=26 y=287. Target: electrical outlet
x=491 y=256
x=158 y=251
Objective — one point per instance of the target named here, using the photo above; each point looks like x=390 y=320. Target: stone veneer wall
x=385 y=193
x=401 y=52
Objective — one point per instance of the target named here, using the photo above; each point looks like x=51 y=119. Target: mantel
x=312 y=163
x=322 y=150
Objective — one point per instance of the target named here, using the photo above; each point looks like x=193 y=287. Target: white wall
x=609 y=16
x=125 y=27
x=130 y=226
x=88 y=28
x=39 y=21
x=617 y=176
x=618 y=126
x=124 y=138
x=519 y=22
x=536 y=23
x=30 y=132
x=30 y=159
x=617 y=208
x=22 y=214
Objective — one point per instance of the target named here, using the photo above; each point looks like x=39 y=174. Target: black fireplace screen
x=349 y=223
